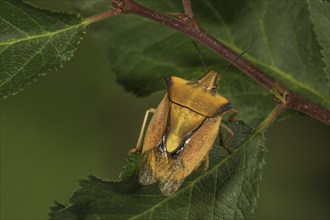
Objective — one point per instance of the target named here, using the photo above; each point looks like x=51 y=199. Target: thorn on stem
x=118 y=5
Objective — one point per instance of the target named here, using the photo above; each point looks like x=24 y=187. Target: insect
x=182 y=131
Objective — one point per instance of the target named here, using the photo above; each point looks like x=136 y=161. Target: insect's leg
x=206 y=163
x=233 y=115
x=139 y=143
x=229 y=136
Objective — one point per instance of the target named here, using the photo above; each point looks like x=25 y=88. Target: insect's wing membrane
x=167 y=170
x=173 y=177
x=147 y=171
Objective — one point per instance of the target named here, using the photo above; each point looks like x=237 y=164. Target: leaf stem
x=270 y=118
x=101 y=16
x=294 y=101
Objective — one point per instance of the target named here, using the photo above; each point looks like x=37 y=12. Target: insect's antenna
x=239 y=56
x=200 y=56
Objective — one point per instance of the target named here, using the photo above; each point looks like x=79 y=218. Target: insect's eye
x=214 y=90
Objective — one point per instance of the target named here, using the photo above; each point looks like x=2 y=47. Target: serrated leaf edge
x=84 y=23
x=206 y=173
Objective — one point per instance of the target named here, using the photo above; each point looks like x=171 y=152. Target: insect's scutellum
x=182 y=130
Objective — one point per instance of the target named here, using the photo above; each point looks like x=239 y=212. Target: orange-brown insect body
x=182 y=131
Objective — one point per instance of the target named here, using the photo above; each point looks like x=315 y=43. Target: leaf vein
x=47 y=34
x=189 y=202
x=219 y=16
x=14 y=26
x=241 y=189
x=27 y=15
x=215 y=194
x=22 y=67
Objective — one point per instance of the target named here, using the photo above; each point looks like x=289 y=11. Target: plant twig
x=294 y=101
x=187 y=8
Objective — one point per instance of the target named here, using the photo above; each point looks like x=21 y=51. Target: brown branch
x=293 y=100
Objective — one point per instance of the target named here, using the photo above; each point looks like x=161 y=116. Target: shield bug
x=182 y=131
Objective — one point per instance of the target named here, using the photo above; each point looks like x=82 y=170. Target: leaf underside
x=32 y=42
x=227 y=190
x=285 y=47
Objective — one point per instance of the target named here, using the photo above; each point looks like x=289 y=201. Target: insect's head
x=209 y=80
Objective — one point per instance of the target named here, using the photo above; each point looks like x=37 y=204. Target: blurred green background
x=79 y=121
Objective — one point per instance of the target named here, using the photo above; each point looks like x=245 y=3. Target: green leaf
x=320 y=17
x=143 y=53
x=227 y=190
x=32 y=42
